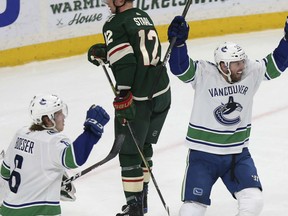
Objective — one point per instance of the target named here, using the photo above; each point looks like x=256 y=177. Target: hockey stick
x=136 y=143
x=2 y=154
x=168 y=52
x=113 y=152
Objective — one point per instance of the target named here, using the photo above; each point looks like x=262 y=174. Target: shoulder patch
x=65 y=142
x=52 y=132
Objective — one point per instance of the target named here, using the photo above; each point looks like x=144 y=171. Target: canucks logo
x=43 y=101
x=229 y=113
x=224 y=49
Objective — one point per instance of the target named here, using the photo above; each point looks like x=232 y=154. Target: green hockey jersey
x=134 y=51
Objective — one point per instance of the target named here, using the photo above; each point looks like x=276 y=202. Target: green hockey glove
x=96 y=53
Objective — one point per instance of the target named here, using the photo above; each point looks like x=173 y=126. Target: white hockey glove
x=68 y=191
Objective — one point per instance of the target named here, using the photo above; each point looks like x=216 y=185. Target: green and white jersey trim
x=32 y=209
x=36 y=162
x=220 y=121
x=217 y=142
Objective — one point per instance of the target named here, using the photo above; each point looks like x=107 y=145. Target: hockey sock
x=132 y=180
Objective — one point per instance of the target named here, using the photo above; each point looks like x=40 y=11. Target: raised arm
x=280 y=54
x=179 y=59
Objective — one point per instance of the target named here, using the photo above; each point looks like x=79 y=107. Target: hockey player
x=220 y=124
x=38 y=155
x=134 y=53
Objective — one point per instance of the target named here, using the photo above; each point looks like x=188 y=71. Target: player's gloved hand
x=96 y=53
x=68 y=191
x=286 y=29
x=124 y=107
x=96 y=118
x=179 y=29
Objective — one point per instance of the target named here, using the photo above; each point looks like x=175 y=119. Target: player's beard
x=236 y=77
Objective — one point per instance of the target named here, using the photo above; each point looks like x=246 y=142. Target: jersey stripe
x=31 y=204
x=210 y=137
x=68 y=159
x=272 y=70
x=32 y=209
x=5 y=171
x=119 y=52
x=189 y=74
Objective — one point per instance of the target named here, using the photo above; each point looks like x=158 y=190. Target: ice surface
x=81 y=84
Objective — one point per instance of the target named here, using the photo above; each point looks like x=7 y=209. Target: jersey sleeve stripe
x=272 y=70
x=5 y=171
x=68 y=159
x=189 y=74
x=119 y=52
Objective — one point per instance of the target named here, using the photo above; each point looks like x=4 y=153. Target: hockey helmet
x=226 y=53
x=46 y=105
x=229 y=52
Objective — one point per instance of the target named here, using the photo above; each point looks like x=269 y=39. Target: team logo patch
x=43 y=101
x=224 y=49
x=228 y=114
x=198 y=191
x=155 y=133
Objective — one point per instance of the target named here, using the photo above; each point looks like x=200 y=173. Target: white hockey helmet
x=229 y=52
x=46 y=105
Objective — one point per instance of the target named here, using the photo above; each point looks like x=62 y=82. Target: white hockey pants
x=250 y=203
x=192 y=209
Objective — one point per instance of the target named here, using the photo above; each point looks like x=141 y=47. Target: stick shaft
x=168 y=52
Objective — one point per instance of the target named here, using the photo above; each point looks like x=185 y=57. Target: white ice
x=81 y=84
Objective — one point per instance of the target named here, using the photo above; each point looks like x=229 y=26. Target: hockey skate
x=133 y=209
x=145 y=202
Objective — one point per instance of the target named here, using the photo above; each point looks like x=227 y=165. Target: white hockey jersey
x=35 y=162
x=221 y=116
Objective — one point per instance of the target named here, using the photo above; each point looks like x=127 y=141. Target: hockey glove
x=286 y=30
x=96 y=118
x=96 y=53
x=68 y=191
x=179 y=29
x=124 y=107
